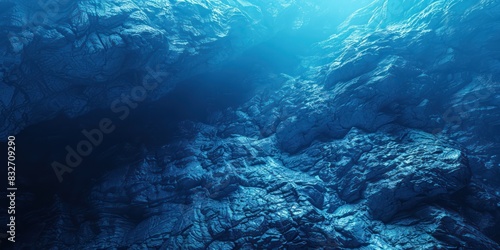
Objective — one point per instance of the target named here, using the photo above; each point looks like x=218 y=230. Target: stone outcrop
x=383 y=136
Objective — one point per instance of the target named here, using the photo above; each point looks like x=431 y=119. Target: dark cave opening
x=150 y=125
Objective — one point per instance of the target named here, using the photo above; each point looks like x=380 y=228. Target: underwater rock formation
x=381 y=133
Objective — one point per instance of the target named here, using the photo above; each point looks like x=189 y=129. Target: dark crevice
x=150 y=125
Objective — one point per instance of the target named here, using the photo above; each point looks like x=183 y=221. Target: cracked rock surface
x=71 y=57
x=384 y=135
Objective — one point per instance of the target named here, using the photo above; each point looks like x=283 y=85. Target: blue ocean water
x=251 y=124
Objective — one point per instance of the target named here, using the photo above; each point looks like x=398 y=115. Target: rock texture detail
x=71 y=57
x=385 y=135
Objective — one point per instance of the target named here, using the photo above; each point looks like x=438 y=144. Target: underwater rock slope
x=385 y=136
x=72 y=57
